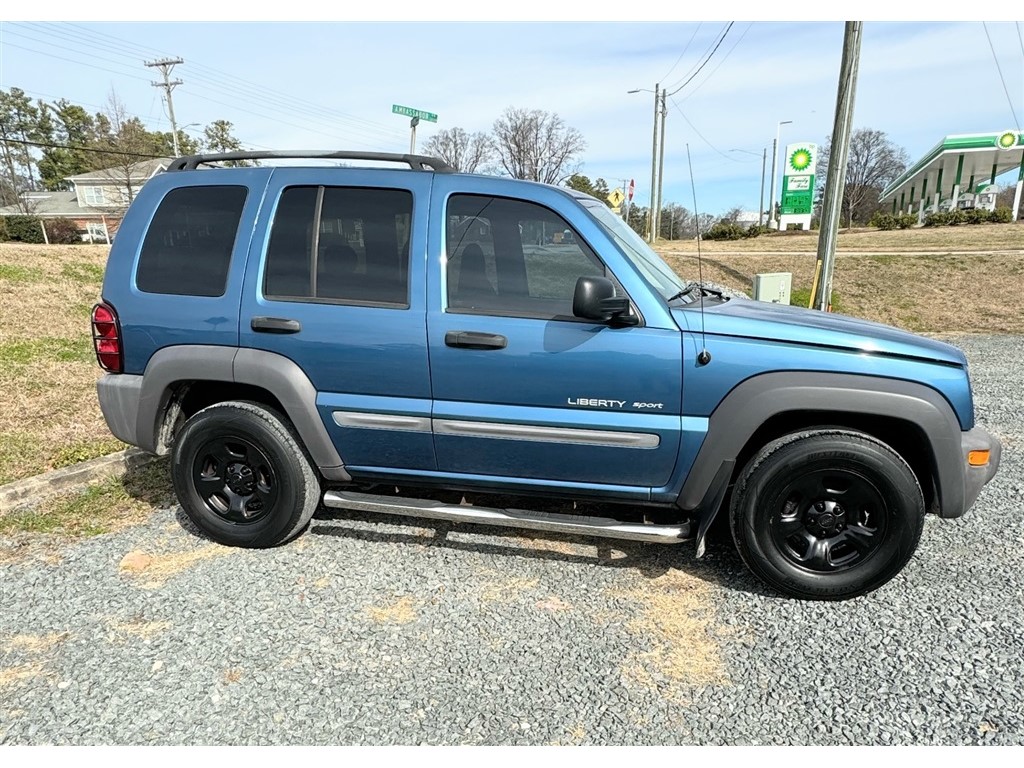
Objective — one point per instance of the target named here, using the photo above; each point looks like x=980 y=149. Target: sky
x=331 y=84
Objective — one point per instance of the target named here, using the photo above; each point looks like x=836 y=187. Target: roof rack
x=415 y=162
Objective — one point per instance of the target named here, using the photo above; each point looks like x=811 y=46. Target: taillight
x=106 y=337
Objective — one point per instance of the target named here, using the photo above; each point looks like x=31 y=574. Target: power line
x=694 y=66
x=999 y=69
x=1020 y=39
x=706 y=60
x=88 y=37
x=685 y=49
x=318 y=114
x=84 y=149
x=721 y=61
x=716 y=149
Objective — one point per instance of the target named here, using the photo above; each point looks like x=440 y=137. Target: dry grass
x=402 y=611
x=34 y=643
x=677 y=622
x=982 y=238
x=153 y=570
x=21 y=674
x=979 y=293
x=49 y=416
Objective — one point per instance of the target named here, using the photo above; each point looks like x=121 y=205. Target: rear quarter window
x=187 y=250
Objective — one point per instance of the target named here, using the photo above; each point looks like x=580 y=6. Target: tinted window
x=513 y=257
x=344 y=244
x=187 y=250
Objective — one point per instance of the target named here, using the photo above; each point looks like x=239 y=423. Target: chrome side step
x=509 y=518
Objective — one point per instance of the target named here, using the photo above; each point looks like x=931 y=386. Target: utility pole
x=651 y=223
x=835 y=181
x=760 y=211
x=165 y=66
x=772 y=221
x=412 y=139
x=661 y=168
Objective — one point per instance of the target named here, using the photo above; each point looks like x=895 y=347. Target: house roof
x=51 y=204
x=140 y=171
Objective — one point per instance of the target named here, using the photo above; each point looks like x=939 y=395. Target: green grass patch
x=17 y=449
x=17 y=274
x=73 y=454
x=800 y=297
x=83 y=272
x=46 y=350
x=98 y=509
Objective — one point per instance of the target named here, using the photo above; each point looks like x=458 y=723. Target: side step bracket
x=509 y=518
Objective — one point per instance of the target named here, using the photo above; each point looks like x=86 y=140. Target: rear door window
x=347 y=245
x=187 y=249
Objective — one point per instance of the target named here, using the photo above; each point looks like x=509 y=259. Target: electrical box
x=773 y=287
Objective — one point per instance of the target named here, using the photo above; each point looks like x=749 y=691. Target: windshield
x=650 y=264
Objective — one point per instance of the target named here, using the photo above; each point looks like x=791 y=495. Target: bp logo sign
x=800 y=160
x=1007 y=140
x=798 y=171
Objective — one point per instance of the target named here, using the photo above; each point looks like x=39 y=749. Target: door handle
x=275 y=325
x=475 y=340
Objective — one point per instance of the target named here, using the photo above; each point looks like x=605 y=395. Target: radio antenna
x=704 y=357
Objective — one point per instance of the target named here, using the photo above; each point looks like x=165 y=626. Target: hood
x=796 y=325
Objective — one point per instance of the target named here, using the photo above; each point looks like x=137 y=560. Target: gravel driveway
x=369 y=632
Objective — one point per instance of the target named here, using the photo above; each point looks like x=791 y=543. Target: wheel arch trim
x=277 y=374
x=756 y=400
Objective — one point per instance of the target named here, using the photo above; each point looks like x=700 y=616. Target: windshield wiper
x=704 y=291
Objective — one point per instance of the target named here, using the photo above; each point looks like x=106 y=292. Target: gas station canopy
x=959 y=165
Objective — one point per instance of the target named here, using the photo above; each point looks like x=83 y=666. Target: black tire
x=826 y=514
x=242 y=477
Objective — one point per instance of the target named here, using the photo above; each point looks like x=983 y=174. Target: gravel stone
x=379 y=630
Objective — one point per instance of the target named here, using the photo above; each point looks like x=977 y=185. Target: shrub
x=956 y=216
x=906 y=220
x=884 y=221
x=1001 y=216
x=4 y=237
x=62 y=232
x=755 y=230
x=24 y=229
x=937 y=219
x=725 y=230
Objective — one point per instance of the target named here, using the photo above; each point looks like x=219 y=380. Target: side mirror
x=595 y=299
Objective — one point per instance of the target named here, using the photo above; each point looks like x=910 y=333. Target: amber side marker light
x=977 y=458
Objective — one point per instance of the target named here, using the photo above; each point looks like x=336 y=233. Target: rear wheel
x=826 y=515
x=242 y=477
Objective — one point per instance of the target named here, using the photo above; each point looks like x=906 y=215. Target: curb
x=77 y=477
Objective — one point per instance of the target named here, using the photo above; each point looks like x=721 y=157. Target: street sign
x=615 y=197
x=631 y=187
x=430 y=117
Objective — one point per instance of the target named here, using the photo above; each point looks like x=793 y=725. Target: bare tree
x=537 y=145
x=465 y=152
x=122 y=143
x=874 y=162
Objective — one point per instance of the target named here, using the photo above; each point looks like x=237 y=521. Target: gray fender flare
x=751 y=403
x=277 y=374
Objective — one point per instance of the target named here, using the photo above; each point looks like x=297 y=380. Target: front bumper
x=975 y=478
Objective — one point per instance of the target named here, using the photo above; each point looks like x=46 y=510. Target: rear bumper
x=119 y=395
x=975 y=478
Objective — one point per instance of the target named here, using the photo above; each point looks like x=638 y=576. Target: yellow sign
x=615 y=197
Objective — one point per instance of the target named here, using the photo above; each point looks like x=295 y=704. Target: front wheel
x=242 y=477
x=826 y=515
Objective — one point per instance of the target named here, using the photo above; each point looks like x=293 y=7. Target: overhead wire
x=706 y=60
x=202 y=82
x=685 y=49
x=716 y=149
x=721 y=61
x=999 y=69
x=196 y=72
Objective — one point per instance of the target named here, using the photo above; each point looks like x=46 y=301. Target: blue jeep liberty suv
x=298 y=335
